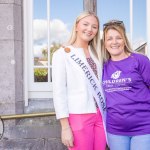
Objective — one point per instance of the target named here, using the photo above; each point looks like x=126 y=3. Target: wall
x=40 y=133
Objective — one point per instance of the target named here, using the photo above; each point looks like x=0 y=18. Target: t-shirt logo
x=116 y=75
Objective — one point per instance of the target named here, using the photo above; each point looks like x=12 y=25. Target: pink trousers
x=88 y=131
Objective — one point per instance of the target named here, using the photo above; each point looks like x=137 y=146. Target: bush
x=40 y=75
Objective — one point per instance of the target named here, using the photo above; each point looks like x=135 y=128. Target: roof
x=141 y=47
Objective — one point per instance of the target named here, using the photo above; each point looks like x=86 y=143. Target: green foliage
x=40 y=75
x=40 y=72
x=45 y=52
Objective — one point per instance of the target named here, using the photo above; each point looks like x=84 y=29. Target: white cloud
x=58 y=31
x=38 y=50
x=39 y=29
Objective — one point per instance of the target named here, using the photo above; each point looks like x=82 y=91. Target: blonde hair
x=118 y=26
x=95 y=42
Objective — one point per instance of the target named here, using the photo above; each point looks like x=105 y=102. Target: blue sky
x=119 y=9
x=67 y=10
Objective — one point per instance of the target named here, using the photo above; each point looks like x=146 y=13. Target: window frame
x=31 y=88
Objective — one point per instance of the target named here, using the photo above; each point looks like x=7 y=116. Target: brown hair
x=118 y=26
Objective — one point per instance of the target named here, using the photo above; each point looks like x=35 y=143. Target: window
x=47 y=25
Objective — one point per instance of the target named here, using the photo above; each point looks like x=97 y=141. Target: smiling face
x=114 y=43
x=87 y=28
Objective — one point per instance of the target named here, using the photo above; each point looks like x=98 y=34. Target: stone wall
x=40 y=133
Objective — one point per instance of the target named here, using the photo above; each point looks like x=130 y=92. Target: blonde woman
x=75 y=70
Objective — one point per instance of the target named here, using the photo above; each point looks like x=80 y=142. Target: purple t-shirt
x=126 y=84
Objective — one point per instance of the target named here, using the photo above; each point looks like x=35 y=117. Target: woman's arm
x=59 y=84
x=60 y=96
x=66 y=133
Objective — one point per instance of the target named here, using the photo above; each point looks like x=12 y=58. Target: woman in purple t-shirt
x=126 y=82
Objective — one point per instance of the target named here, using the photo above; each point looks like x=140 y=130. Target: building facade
x=23 y=133
x=20 y=93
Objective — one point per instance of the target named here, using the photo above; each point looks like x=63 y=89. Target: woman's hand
x=67 y=137
x=66 y=133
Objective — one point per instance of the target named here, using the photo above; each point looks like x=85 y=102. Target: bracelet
x=63 y=129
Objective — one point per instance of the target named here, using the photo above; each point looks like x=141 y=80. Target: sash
x=93 y=82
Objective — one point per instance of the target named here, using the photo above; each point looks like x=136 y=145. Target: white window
x=47 y=24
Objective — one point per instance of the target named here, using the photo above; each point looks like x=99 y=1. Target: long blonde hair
x=95 y=42
x=118 y=26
